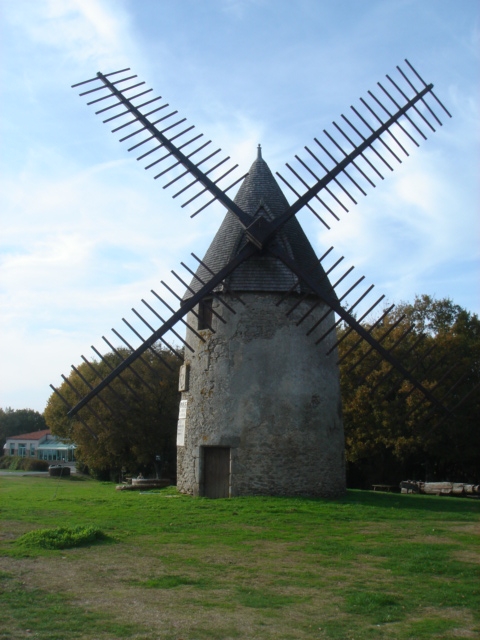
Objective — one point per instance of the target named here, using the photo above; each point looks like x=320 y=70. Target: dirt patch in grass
x=183 y=592
x=11 y=530
x=467 y=556
x=431 y=539
x=239 y=605
x=457 y=623
x=231 y=595
x=467 y=527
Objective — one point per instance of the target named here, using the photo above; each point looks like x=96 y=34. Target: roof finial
x=259 y=152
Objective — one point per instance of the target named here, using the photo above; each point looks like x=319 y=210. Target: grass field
x=171 y=567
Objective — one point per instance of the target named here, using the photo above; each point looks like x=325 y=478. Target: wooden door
x=216 y=472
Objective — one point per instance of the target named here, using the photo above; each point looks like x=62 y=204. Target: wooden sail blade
x=168 y=325
x=178 y=158
x=405 y=345
x=343 y=168
x=336 y=307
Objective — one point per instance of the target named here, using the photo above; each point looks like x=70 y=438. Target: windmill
x=260 y=409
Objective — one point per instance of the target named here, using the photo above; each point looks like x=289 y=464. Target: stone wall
x=260 y=386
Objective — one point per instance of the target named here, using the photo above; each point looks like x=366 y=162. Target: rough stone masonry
x=257 y=391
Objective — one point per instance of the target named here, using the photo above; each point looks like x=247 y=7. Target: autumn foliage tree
x=392 y=433
x=130 y=422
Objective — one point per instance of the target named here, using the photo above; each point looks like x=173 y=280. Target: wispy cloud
x=82 y=30
x=238 y=8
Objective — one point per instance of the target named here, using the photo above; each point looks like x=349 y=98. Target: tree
x=129 y=422
x=391 y=432
x=14 y=422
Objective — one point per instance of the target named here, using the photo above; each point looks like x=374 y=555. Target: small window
x=22 y=448
x=205 y=314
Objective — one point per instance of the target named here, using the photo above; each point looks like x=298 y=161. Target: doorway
x=216 y=472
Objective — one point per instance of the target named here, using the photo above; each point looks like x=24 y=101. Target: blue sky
x=86 y=232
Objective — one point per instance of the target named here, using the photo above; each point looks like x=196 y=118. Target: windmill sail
x=164 y=141
x=326 y=179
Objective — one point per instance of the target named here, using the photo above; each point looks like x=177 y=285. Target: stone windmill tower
x=260 y=409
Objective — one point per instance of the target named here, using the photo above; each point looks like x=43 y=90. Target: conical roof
x=260 y=194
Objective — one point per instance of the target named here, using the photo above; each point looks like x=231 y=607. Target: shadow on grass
x=408 y=502
x=361 y=498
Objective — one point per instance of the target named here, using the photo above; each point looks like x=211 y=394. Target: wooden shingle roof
x=260 y=194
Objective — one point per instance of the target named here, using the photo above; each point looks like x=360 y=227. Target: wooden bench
x=384 y=487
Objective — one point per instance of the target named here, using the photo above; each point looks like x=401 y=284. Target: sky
x=86 y=233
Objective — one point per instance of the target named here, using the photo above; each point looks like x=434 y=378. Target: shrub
x=33 y=464
x=10 y=462
x=17 y=463
x=61 y=537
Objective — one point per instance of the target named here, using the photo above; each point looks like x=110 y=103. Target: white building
x=41 y=445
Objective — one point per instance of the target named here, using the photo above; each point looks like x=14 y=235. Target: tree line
x=391 y=433
x=130 y=423
x=13 y=422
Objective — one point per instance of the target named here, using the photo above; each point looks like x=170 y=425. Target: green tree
x=14 y=422
x=391 y=432
x=129 y=422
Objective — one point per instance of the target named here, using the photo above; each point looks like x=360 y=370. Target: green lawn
x=178 y=568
